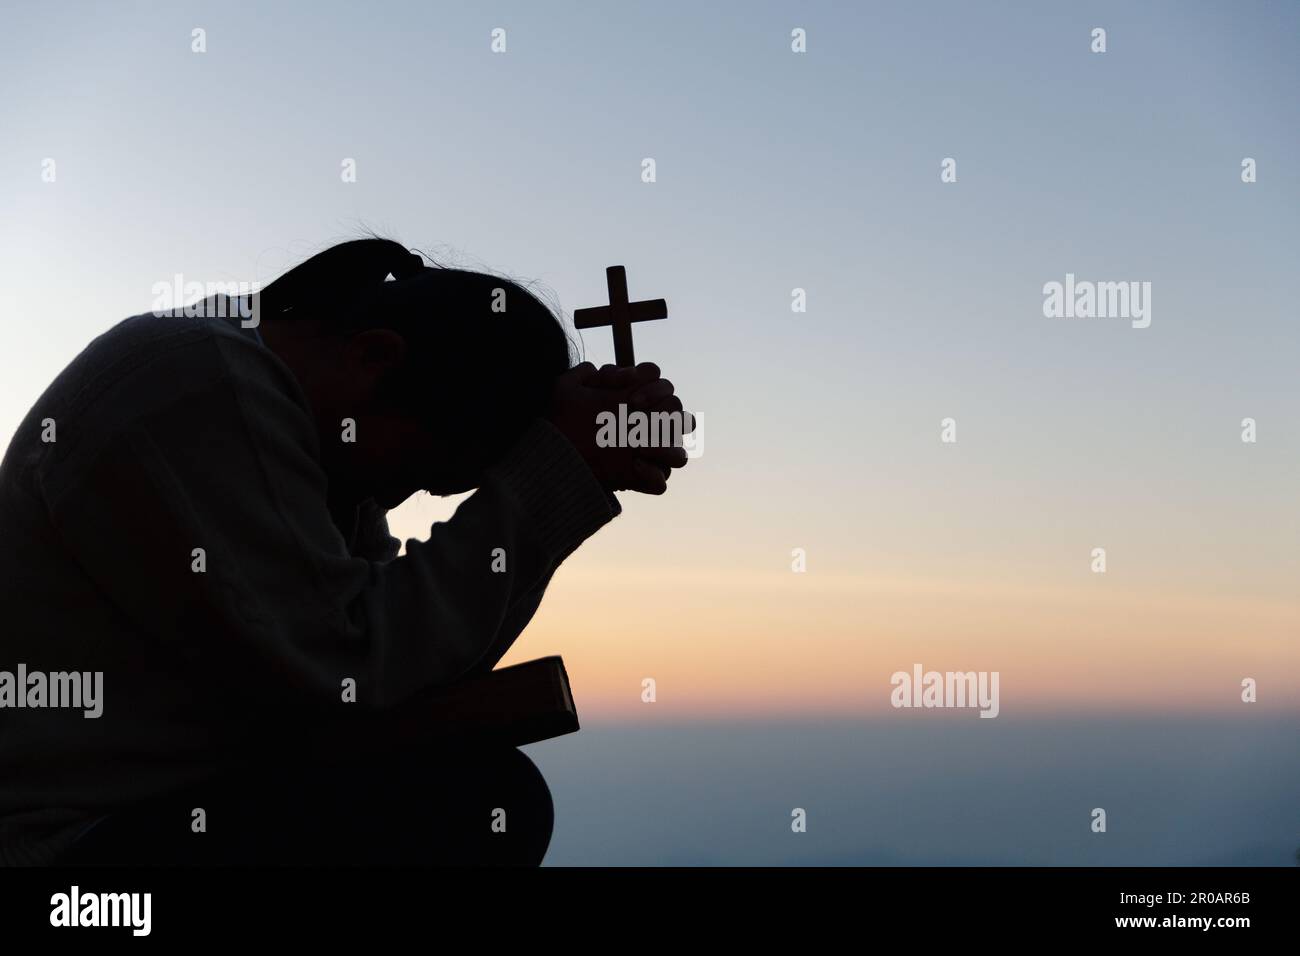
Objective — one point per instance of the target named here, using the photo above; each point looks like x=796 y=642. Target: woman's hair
x=483 y=352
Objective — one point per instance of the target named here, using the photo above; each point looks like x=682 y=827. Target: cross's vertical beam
x=619 y=316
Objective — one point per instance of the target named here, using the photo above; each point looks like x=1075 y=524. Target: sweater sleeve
x=204 y=519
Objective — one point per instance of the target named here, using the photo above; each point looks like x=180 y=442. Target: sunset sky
x=821 y=429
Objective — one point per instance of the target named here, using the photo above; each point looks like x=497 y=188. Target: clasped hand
x=585 y=392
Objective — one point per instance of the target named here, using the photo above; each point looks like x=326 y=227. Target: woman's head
x=441 y=369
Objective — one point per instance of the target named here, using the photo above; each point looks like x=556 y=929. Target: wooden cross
x=620 y=314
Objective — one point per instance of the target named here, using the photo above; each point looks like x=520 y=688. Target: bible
x=512 y=706
x=516 y=705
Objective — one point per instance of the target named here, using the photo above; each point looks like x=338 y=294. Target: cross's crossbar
x=636 y=312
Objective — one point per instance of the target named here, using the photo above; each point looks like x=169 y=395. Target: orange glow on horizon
x=745 y=645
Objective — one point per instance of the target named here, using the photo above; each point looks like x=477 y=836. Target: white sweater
x=173 y=434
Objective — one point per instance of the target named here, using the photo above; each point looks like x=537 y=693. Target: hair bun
x=411 y=264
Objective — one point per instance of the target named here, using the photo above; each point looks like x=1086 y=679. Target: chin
x=453 y=487
x=390 y=501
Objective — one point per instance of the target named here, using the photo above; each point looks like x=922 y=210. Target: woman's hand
x=583 y=393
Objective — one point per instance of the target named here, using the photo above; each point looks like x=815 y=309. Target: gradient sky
x=775 y=171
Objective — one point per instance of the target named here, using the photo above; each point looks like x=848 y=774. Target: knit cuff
x=555 y=488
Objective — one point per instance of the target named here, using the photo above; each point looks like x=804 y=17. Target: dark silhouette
x=194 y=519
x=419 y=810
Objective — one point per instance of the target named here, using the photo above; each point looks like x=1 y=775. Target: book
x=516 y=705
x=511 y=707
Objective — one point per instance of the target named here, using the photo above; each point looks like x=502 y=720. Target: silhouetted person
x=197 y=510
